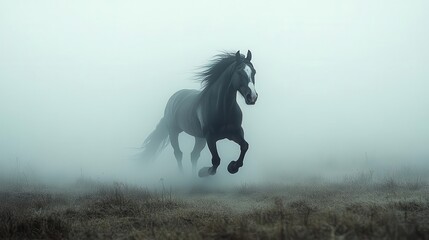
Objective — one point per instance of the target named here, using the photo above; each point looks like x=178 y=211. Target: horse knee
x=244 y=147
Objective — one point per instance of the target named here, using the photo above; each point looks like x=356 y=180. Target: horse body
x=181 y=112
x=208 y=115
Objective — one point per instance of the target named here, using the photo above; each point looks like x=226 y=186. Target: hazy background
x=343 y=85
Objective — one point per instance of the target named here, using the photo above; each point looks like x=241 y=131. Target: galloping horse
x=209 y=115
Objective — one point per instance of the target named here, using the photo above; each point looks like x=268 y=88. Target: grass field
x=356 y=208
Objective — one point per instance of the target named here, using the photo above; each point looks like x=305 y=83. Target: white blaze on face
x=251 y=85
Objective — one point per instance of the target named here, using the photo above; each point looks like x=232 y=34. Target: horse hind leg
x=200 y=143
x=174 y=140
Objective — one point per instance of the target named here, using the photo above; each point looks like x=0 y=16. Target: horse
x=209 y=114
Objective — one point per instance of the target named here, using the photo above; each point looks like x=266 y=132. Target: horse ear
x=238 y=56
x=249 y=55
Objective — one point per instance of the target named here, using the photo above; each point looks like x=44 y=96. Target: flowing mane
x=212 y=71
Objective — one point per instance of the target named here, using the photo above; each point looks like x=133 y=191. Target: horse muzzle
x=251 y=98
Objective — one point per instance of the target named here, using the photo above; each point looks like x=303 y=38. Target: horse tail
x=156 y=141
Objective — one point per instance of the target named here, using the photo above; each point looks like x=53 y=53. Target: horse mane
x=212 y=71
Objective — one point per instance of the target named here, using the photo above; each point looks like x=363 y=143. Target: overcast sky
x=82 y=82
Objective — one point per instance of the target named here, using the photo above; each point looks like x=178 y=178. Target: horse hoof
x=204 y=172
x=232 y=167
x=212 y=171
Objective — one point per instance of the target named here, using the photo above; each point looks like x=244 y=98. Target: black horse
x=210 y=114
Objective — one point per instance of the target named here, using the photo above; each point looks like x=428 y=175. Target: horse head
x=243 y=78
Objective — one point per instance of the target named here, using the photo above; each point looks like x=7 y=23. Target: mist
x=343 y=86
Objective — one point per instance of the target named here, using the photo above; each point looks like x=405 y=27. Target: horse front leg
x=206 y=171
x=233 y=166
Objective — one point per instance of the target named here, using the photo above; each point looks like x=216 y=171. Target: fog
x=343 y=85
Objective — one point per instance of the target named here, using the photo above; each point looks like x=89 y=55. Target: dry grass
x=358 y=208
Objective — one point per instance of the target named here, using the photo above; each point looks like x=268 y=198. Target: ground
x=351 y=209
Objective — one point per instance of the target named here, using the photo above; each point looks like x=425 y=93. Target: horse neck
x=223 y=96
